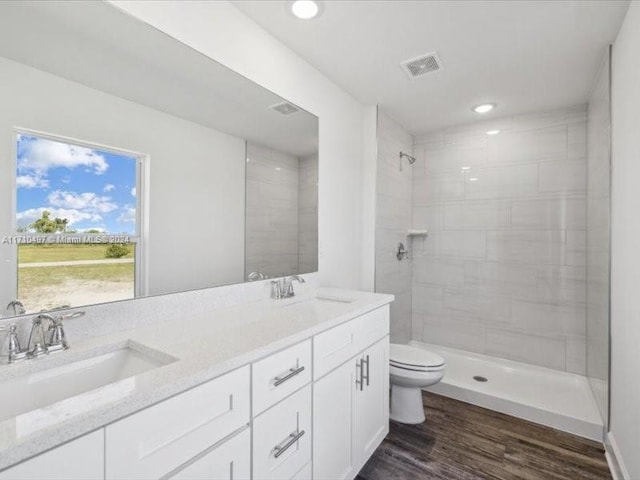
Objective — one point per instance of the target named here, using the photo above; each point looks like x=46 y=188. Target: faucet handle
x=58 y=340
x=276 y=289
x=14 y=351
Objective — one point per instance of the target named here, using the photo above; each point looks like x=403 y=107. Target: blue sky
x=91 y=188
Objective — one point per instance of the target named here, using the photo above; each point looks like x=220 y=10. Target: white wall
x=222 y=32
x=393 y=220
x=502 y=271
x=625 y=244
x=195 y=172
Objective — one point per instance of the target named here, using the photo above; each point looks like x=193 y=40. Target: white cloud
x=88 y=201
x=38 y=155
x=109 y=187
x=133 y=192
x=31 y=181
x=29 y=216
x=128 y=215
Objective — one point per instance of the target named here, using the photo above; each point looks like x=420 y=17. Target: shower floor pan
x=549 y=397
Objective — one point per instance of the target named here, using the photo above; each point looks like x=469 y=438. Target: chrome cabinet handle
x=366 y=376
x=291 y=439
x=360 y=372
x=290 y=374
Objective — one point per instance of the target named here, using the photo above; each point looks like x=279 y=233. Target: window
x=77 y=223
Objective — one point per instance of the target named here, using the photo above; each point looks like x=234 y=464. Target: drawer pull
x=366 y=375
x=360 y=374
x=291 y=439
x=290 y=374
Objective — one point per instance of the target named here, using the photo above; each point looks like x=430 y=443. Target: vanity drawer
x=80 y=459
x=334 y=347
x=279 y=375
x=229 y=461
x=277 y=455
x=155 y=441
x=371 y=327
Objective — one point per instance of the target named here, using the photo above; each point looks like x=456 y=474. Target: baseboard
x=614 y=459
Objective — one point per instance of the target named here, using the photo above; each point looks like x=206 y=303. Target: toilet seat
x=415 y=359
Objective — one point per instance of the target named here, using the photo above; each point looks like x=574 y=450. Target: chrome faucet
x=38 y=344
x=283 y=288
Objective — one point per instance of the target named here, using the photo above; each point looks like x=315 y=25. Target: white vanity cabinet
x=351 y=402
x=80 y=459
x=317 y=409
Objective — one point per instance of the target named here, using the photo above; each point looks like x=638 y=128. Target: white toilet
x=411 y=370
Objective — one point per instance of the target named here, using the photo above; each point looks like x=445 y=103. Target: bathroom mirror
x=133 y=165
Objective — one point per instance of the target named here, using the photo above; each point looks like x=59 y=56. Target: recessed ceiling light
x=473 y=179
x=484 y=108
x=464 y=169
x=304 y=9
x=493 y=132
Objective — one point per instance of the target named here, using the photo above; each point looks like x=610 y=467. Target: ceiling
x=526 y=56
x=99 y=46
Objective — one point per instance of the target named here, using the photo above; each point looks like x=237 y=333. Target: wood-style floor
x=460 y=441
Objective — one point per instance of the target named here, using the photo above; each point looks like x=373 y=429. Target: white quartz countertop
x=204 y=347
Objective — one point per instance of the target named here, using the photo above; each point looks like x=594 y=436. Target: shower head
x=410 y=158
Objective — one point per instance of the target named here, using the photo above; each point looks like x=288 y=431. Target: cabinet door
x=371 y=401
x=80 y=459
x=229 y=461
x=332 y=433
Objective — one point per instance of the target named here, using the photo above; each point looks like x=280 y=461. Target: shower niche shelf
x=417 y=233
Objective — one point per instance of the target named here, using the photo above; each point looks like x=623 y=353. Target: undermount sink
x=45 y=388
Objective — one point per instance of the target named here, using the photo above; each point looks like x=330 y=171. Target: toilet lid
x=405 y=356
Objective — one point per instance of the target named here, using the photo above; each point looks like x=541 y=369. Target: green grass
x=63 y=253
x=35 y=277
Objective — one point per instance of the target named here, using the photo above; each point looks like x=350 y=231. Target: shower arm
x=410 y=158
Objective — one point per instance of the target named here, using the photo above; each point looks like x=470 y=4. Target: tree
x=47 y=225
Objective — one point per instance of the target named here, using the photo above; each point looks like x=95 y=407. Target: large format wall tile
x=503 y=268
x=394 y=188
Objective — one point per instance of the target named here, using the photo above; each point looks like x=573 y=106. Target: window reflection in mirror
x=76 y=223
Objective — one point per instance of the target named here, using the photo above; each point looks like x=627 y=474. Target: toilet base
x=406 y=405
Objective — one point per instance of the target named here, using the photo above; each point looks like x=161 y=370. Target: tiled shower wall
x=308 y=214
x=598 y=241
x=502 y=271
x=272 y=212
x=393 y=220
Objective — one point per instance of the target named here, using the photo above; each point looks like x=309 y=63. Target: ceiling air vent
x=285 y=108
x=422 y=65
